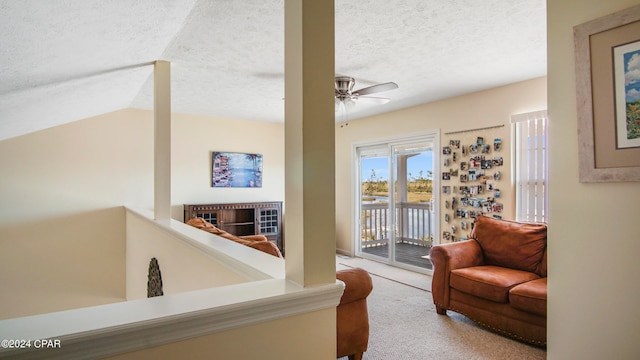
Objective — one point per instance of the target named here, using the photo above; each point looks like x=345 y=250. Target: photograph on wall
x=497 y=144
x=626 y=63
x=231 y=169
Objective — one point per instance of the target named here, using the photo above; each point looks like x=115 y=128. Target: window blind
x=530 y=158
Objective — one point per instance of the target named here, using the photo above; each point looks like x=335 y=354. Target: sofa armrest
x=358 y=284
x=457 y=255
x=352 y=317
x=447 y=257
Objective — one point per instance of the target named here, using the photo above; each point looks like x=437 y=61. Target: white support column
x=401 y=194
x=401 y=165
x=310 y=142
x=162 y=139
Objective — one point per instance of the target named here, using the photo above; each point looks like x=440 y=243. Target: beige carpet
x=418 y=280
x=404 y=323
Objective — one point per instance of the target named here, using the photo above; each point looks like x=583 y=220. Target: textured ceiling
x=62 y=61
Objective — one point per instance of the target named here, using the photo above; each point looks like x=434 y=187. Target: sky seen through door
x=380 y=165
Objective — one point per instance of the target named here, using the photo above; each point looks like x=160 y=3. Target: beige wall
x=195 y=137
x=486 y=108
x=593 y=228
x=61 y=216
x=296 y=337
x=183 y=267
x=62 y=239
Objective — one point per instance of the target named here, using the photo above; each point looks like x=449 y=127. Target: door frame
x=424 y=136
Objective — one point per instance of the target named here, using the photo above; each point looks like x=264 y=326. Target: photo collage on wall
x=471 y=176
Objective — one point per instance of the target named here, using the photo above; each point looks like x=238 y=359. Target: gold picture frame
x=602 y=158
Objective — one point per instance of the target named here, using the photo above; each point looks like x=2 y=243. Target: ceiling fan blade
x=376 y=88
x=373 y=99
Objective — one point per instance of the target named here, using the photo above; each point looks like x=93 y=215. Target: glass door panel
x=395 y=203
x=374 y=202
x=413 y=170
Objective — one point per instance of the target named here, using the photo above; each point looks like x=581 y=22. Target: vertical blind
x=530 y=157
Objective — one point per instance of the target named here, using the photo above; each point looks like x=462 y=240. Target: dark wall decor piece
x=154 y=282
x=230 y=169
x=607 y=57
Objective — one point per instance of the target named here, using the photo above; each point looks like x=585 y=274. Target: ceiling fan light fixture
x=349 y=103
x=344 y=84
x=344 y=91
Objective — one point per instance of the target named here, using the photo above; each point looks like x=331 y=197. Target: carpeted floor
x=404 y=324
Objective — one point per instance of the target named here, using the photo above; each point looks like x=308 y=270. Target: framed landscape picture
x=607 y=60
x=232 y=169
x=626 y=64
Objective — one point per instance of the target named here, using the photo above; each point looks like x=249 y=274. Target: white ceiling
x=62 y=61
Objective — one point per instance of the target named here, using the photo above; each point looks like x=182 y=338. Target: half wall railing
x=135 y=325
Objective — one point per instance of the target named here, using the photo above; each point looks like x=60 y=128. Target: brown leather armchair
x=352 y=314
x=498 y=278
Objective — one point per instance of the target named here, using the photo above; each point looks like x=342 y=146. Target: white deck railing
x=413 y=224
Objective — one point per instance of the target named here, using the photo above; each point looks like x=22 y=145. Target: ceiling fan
x=345 y=95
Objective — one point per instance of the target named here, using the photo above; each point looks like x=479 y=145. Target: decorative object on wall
x=608 y=107
x=473 y=185
x=230 y=169
x=154 y=279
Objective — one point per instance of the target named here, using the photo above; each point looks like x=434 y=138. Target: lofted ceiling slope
x=63 y=61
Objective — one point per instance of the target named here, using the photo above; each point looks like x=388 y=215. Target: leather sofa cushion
x=530 y=296
x=489 y=282
x=511 y=244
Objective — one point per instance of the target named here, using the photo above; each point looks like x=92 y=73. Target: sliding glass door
x=397 y=209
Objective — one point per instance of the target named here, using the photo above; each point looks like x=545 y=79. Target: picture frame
x=603 y=155
x=233 y=169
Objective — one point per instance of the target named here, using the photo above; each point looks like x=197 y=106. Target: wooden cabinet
x=261 y=218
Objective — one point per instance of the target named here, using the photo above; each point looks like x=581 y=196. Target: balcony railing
x=413 y=224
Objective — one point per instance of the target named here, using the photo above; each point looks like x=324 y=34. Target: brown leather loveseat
x=497 y=278
x=258 y=242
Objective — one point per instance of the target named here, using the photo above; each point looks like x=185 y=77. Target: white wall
x=593 y=228
x=485 y=108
